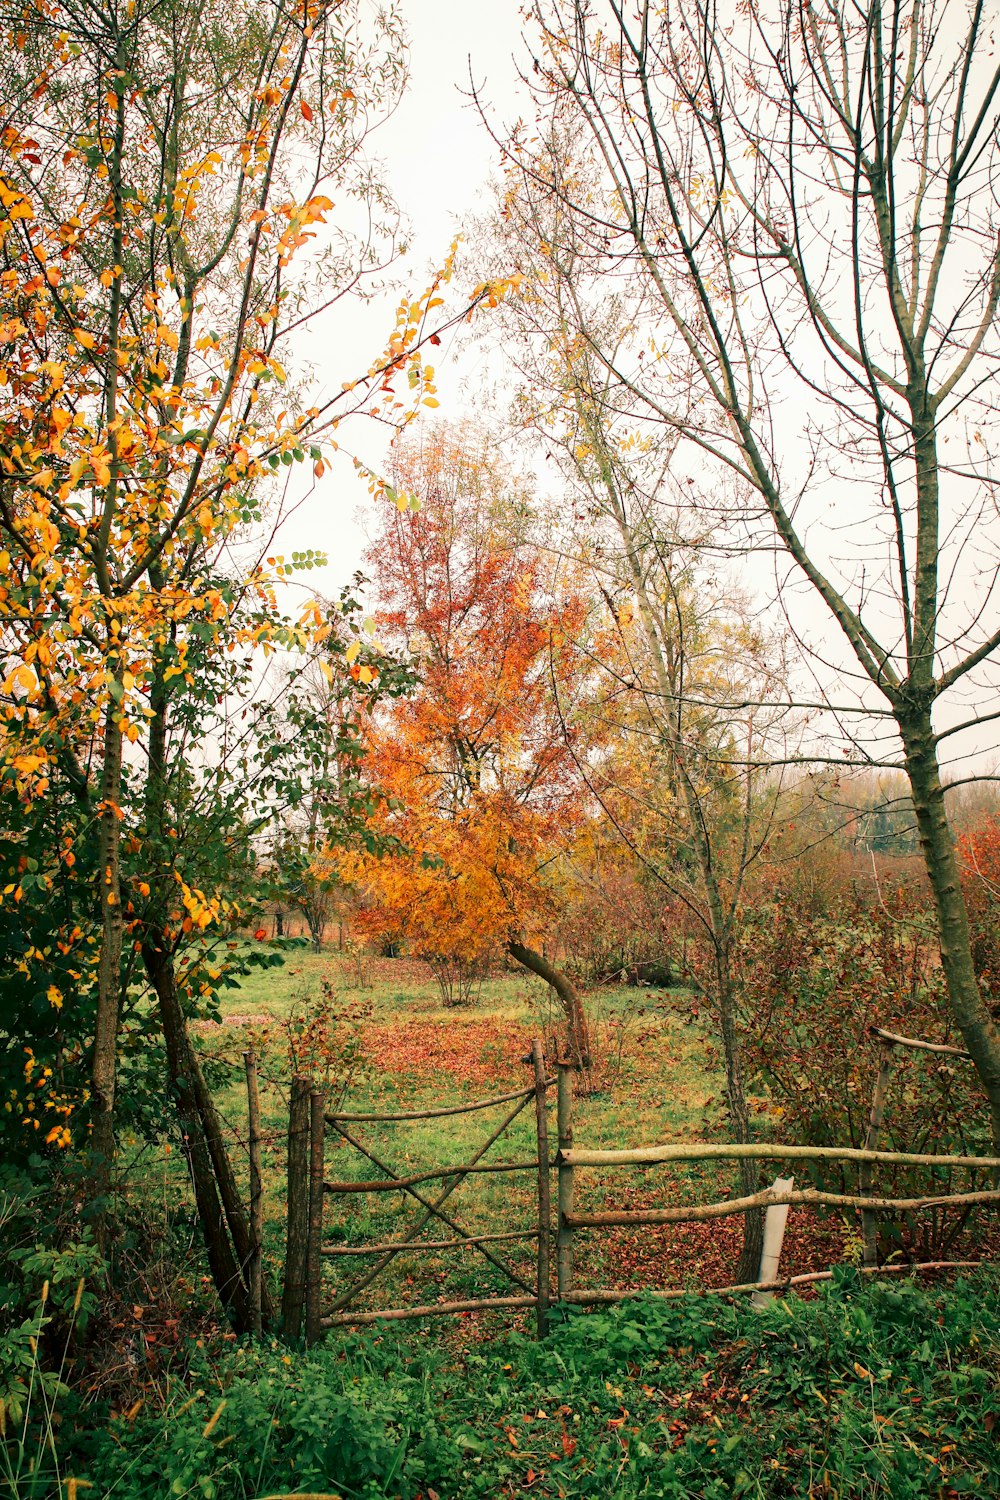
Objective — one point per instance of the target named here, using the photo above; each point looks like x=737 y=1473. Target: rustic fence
x=308 y=1189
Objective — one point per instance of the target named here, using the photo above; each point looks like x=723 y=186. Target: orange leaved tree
x=475 y=760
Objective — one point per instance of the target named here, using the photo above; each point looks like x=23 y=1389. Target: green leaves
x=649 y=1399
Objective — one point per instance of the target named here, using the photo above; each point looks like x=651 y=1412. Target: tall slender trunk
x=979 y=1031
x=739 y=1113
x=103 y=1071
x=719 y=915
x=226 y=1270
x=199 y=1116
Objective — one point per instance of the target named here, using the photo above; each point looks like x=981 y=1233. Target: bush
x=811 y=988
x=870 y=1390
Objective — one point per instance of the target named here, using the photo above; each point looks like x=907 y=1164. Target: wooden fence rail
x=309 y=1189
x=648 y=1156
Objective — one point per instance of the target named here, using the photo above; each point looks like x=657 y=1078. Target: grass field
x=390 y=1044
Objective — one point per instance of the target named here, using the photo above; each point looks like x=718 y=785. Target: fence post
x=775 y=1220
x=544 y=1196
x=869 y=1219
x=255 y=1269
x=294 y=1291
x=564 y=1234
x=317 y=1134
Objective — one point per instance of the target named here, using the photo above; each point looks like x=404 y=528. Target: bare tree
x=799 y=203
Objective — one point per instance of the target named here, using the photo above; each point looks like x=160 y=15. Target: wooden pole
x=696 y=1213
x=433 y=1310
x=598 y=1298
x=431 y=1114
x=423 y=1246
x=317 y=1132
x=647 y=1156
x=564 y=1232
x=544 y=1194
x=255 y=1269
x=297 y=1235
x=433 y=1174
x=917 y=1045
x=869 y=1219
x=774 y=1236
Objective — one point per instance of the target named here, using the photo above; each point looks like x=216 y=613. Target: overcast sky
x=439 y=160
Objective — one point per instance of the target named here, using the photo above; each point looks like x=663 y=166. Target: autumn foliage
x=475 y=759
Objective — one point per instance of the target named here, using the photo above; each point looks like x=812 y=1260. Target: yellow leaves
x=14 y=204
x=84 y=339
x=327 y=671
x=201 y=909
x=353 y=652
x=493 y=292
x=54 y=995
x=21 y=680
x=165 y=335
x=100 y=462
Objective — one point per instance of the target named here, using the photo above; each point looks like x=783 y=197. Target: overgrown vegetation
x=567 y=784
x=864 y=1392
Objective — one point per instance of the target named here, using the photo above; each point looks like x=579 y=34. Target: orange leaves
x=473 y=760
x=14 y=205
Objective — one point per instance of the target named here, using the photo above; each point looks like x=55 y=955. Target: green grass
x=416 y=1053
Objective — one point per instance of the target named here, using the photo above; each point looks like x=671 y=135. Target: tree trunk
x=202 y=1122
x=103 y=1073
x=225 y=1268
x=739 y=1117
x=209 y=1125
x=979 y=1031
x=576 y=1020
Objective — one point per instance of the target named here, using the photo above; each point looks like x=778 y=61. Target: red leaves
x=475 y=1052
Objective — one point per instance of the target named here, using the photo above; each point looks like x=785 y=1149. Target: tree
x=334 y=701
x=474 y=758
x=164 y=182
x=798 y=210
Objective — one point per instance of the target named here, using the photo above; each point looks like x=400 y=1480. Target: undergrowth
x=887 y=1390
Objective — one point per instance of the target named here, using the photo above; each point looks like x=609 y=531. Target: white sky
x=439 y=159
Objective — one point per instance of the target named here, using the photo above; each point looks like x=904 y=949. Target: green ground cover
x=856 y=1391
x=875 y=1391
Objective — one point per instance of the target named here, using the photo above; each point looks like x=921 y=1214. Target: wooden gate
x=308 y=1188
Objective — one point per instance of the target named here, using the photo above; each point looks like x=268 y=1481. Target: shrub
x=870 y=1390
x=811 y=988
